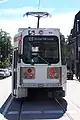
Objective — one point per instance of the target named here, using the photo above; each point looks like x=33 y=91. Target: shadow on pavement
x=37 y=107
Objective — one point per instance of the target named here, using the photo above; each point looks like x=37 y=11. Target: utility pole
x=39 y=5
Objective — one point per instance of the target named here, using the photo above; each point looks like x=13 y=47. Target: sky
x=62 y=11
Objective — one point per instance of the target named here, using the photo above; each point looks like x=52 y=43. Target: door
x=15 y=59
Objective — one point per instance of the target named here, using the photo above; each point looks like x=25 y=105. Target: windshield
x=41 y=49
x=2 y=71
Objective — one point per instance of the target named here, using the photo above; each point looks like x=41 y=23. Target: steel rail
x=68 y=115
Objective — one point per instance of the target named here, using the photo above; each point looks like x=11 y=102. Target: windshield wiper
x=44 y=60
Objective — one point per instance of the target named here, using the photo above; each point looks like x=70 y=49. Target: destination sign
x=42 y=38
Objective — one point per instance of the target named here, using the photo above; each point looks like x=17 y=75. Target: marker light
x=40 y=32
x=28 y=73
x=53 y=72
x=29 y=70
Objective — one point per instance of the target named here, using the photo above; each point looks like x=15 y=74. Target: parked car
x=2 y=73
x=69 y=75
x=7 y=72
x=10 y=70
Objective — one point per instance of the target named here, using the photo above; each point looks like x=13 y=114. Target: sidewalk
x=73 y=91
x=74 y=77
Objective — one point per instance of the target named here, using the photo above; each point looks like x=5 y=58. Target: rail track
x=23 y=109
x=67 y=114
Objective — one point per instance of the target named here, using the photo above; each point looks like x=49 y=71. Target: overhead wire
x=39 y=5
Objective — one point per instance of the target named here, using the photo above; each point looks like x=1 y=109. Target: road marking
x=53 y=111
x=31 y=112
x=7 y=106
x=40 y=112
x=13 y=112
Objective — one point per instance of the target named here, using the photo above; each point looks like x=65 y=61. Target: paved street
x=40 y=107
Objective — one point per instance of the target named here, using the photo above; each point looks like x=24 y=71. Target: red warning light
x=29 y=70
x=31 y=76
x=52 y=70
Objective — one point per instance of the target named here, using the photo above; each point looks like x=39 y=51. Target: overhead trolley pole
x=38 y=15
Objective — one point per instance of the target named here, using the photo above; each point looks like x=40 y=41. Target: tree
x=5 y=46
x=69 y=51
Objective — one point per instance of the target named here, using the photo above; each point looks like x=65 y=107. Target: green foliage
x=4 y=63
x=68 y=47
x=69 y=54
x=5 y=47
x=68 y=51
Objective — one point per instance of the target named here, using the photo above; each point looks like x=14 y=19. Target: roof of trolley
x=22 y=29
x=38 y=15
